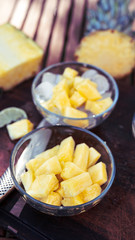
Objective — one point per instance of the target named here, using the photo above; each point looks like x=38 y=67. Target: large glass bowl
x=56 y=119
x=44 y=138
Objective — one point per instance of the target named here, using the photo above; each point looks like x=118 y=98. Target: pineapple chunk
x=94 y=155
x=70 y=170
x=60 y=87
x=53 y=198
x=43 y=185
x=81 y=155
x=19 y=129
x=49 y=105
x=76 y=185
x=79 y=80
x=35 y=163
x=98 y=173
x=52 y=165
x=61 y=101
x=60 y=191
x=98 y=107
x=66 y=150
x=77 y=99
x=87 y=90
x=75 y=113
x=70 y=73
x=27 y=179
x=91 y=192
x=72 y=201
x=20 y=57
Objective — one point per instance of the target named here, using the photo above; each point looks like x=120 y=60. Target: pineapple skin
x=20 y=57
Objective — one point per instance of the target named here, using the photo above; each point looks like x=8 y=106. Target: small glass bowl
x=44 y=138
x=56 y=119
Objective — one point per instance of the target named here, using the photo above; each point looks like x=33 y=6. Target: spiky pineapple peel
x=110 y=50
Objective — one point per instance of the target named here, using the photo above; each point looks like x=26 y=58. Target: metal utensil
x=6 y=182
x=133 y=125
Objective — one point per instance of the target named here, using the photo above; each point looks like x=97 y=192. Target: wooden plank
x=59 y=32
x=46 y=22
x=75 y=28
x=20 y=13
x=6 y=9
x=31 y=23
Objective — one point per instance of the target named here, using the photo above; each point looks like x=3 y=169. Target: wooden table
x=57 y=26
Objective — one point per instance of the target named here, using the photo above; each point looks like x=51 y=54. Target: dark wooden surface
x=57 y=27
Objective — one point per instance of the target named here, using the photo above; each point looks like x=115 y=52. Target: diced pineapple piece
x=49 y=105
x=60 y=191
x=35 y=163
x=19 y=129
x=43 y=185
x=76 y=185
x=98 y=107
x=60 y=87
x=70 y=73
x=52 y=165
x=66 y=150
x=75 y=113
x=77 y=99
x=20 y=57
x=61 y=101
x=81 y=155
x=94 y=155
x=98 y=173
x=91 y=192
x=71 y=91
x=86 y=89
x=79 y=80
x=70 y=170
x=53 y=198
x=27 y=179
x=72 y=201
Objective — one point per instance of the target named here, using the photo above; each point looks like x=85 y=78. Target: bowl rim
x=81 y=64
x=63 y=208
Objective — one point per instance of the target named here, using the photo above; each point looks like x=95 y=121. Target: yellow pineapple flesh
x=53 y=198
x=76 y=185
x=110 y=50
x=20 y=57
x=98 y=173
x=70 y=170
x=43 y=185
x=27 y=179
x=36 y=162
x=94 y=156
x=52 y=165
x=91 y=192
x=20 y=128
x=81 y=155
x=100 y=106
x=77 y=99
x=66 y=150
x=72 y=201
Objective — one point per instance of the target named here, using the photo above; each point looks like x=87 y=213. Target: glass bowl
x=92 y=120
x=44 y=138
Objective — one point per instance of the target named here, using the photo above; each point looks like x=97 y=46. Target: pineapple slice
x=81 y=155
x=43 y=185
x=20 y=128
x=53 y=198
x=27 y=179
x=52 y=165
x=87 y=90
x=110 y=50
x=61 y=100
x=72 y=201
x=98 y=107
x=35 y=163
x=75 y=113
x=94 y=156
x=20 y=57
x=91 y=192
x=76 y=185
x=66 y=150
x=70 y=170
x=77 y=99
x=98 y=173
